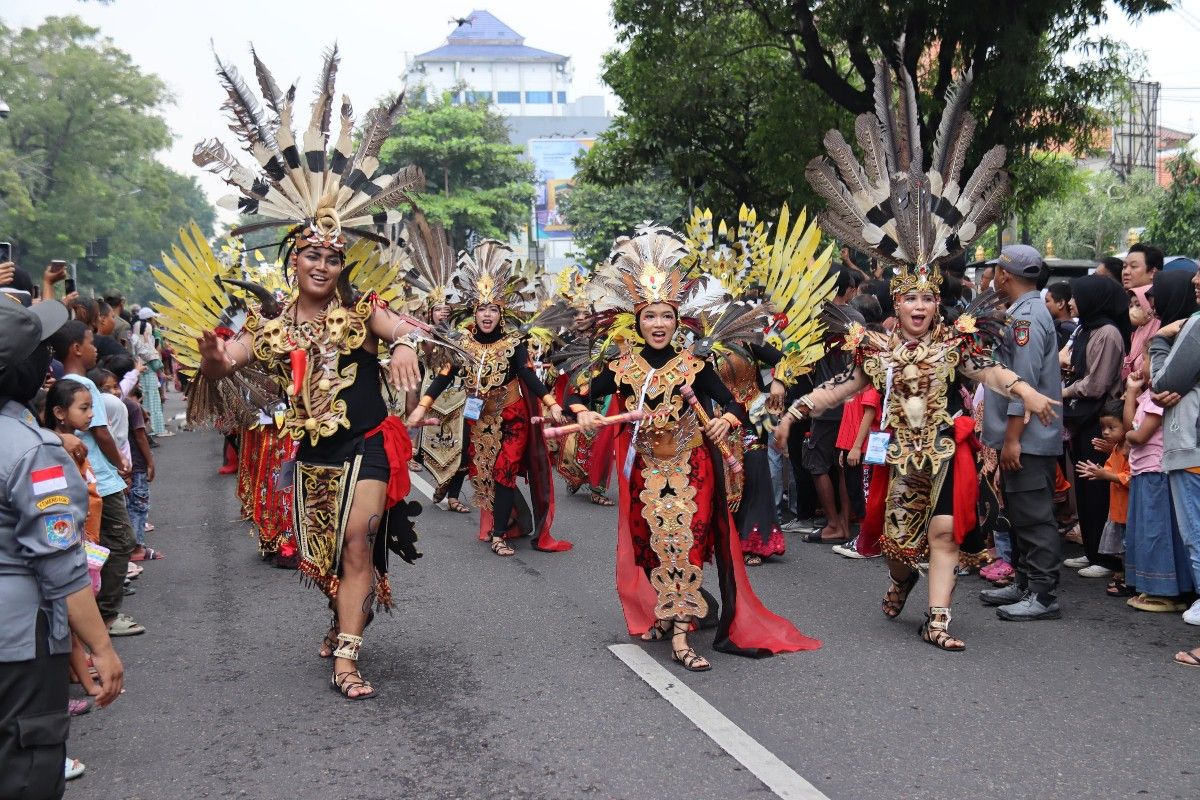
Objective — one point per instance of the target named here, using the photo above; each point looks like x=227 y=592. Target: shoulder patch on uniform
x=49 y=479
x=53 y=500
x=61 y=531
x=1021 y=332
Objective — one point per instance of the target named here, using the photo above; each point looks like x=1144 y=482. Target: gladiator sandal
x=689 y=658
x=500 y=547
x=897 y=595
x=658 y=631
x=936 y=630
x=346 y=682
x=329 y=643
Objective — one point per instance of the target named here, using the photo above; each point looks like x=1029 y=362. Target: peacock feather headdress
x=432 y=258
x=889 y=205
x=489 y=275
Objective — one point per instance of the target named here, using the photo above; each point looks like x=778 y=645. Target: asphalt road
x=496 y=682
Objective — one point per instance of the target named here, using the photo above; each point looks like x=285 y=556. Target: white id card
x=473 y=408
x=877 y=445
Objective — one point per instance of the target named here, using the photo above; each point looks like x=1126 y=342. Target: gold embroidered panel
x=669 y=505
x=490 y=367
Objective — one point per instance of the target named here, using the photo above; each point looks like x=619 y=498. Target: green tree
x=477 y=182
x=76 y=159
x=599 y=214
x=703 y=99
x=1094 y=213
x=719 y=89
x=1176 y=224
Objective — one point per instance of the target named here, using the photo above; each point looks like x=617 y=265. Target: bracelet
x=410 y=340
x=733 y=421
x=1013 y=383
x=426 y=402
x=548 y=400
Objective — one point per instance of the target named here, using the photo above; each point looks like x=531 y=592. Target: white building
x=494 y=63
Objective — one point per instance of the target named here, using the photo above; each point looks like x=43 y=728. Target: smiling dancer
x=913 y=220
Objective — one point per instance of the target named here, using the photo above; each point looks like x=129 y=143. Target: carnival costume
x=327 y=367
x=914 y=220
x=673 y=514
x=793 y=283
x=504 y=394
x=581 y=458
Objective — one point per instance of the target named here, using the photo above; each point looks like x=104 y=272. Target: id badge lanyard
x=878 y=441
x=474 y=406
x=637 y=426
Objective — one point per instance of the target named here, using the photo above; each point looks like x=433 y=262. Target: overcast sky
x=171 y=38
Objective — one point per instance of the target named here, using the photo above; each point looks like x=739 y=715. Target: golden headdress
x=888 y=205
x=489 y=274
x=571 y=286
x=648 y=268
x=319 y=196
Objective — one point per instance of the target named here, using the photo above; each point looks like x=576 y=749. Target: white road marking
x=765 y=765
x=420 y=484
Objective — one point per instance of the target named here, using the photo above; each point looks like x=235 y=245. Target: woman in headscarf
x=1093 y=379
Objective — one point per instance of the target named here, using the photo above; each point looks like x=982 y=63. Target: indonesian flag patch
x=50 y=479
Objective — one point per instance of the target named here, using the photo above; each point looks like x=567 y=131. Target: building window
x=475 y=97
x=562 y=97
x=508 y=97
x=455 y=98
x=538 y=97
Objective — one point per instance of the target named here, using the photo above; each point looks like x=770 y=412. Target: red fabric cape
x=540 y=476
x=398 y=447
x=966 y=487
x=746 y=626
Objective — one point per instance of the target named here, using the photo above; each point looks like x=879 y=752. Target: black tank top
x=365 y=408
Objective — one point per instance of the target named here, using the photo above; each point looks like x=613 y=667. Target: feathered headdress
x=432 y=258
x=319 y=196
x=648 y=270
x=889 y=205
x=572 y=287
x=488 y=275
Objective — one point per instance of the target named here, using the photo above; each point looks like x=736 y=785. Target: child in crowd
x=1155 y=561
x=68 y=408
x=1116 y=472
x=866 y=543
x=140 y=457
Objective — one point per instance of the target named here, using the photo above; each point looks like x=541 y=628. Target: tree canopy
x=76 y=154
x=733 y=96
x=476 y=181
x=1176 y=225
x=599 y=214
x=1095 y=212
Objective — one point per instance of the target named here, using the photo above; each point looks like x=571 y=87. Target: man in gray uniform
x=45 y=593
x=1029 y=452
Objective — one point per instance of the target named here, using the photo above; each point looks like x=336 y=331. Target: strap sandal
x=752 y=560
x=349 y=646
x=501 y=548
x=347 y=682
x=457 y=506
x=439 y=494
x=658 y=631
x=689 y=658
x=329 y=642
x=897 y=595
x=600 y=500
x=936 y=630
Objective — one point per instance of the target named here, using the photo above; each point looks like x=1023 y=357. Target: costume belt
x=663 y=444
x=501 y=398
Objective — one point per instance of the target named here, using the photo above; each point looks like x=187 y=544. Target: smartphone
x=5 y=252
x=69 y=285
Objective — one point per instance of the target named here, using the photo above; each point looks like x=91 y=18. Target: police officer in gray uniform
x=1029 y=452
x=45 y=593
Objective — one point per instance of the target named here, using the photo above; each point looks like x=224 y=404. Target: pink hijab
x=1141 y=335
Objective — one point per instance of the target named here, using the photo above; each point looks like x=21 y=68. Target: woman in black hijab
x=1174 y=295
x=1102 y=307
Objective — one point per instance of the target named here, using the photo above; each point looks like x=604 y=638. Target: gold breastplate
x=315 y=410
x=673 y=429
x=490 y=363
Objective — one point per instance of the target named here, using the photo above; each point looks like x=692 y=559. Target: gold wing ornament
x=196 y=300
x=797 y=282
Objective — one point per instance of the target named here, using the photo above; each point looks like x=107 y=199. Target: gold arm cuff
x=733 y=421
x=576 y=408
x=426 y=402
x=548 y=400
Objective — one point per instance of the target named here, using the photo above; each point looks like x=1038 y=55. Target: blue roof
x=484 y=25
x=484 y=38
x=488 y=52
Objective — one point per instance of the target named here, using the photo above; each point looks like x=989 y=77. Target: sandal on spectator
x=77 y=707
x=1188 y=658
x=125 y=626
x=1149 y=602
x=73 y=768
x=147 y=554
